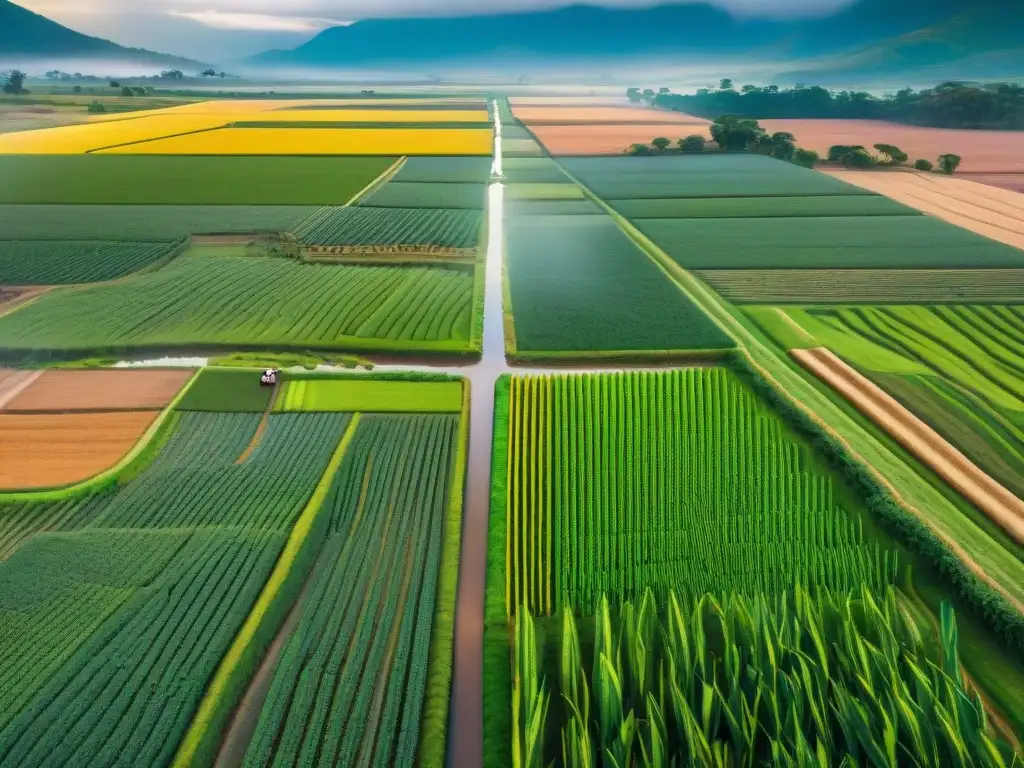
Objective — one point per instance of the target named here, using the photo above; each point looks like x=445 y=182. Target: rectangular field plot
x=525 y=208
x=868 y=242
x=363 y=225
x=52 y=262
x=578 y=284
x=532 y=170
x=77 y=139
x=360 y=680
x=410 y=194
x=317 y=141
x=370 y=396
x=445 y=169
x=761 y=207
x=144 y=223
x=533 y=191
x=72 y=390
x=868 y=286
x=629 y=178
x=253 y=302
x=108 y=179
x=227 y=390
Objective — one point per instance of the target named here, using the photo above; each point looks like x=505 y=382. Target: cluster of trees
x=858 y=156
x=662 y=145
x=14 y=82
x=948 y=105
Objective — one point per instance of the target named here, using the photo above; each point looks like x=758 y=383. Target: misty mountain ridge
x=27 y=37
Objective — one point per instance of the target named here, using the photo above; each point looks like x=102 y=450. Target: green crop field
x=532 y=170
x=226 y=389
x=578 y=284
x=145 y=223
x=138 y=606
x=524 y=147
x=711 y=175
x=445 y=169
x=543 y=191
x=392 y=226
x=404 y=194
x=851 y=242
x=761 y=207
x=51 y=262
x=349 y=686
x=253 y=302
x=173 y=180
x=959 y=368
x=368 y=396
x=867 y=286
x=525 y=208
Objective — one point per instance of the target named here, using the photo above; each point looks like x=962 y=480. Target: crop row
x=415 y=194
x=579 y=284
x=350 y=684
x=531 y=170
x=52 y=262
x=369 y=396
x=840 y=680
x=862 y=242
x=391 y=226
x=445 y=169
x=867 y=286
x=761 y=207
x=250 y=301
x=679 y=480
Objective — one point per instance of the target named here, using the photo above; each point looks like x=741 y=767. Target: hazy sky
x=215 y=30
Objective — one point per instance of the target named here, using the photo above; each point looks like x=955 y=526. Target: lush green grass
x=578 y=284
x=762 y=207
x=355 y=395
x=142 y=180
x=712 y=175
x=50 y=262
x=445 y=169
x=531 y=170
x=782 y=328
x=226 y=389
x=403 y=194
x=868 y=286
x=543 y=191
x=144 y=223
x=392 y=226
x=872 y=242
x=253 y=302
x=372 y=593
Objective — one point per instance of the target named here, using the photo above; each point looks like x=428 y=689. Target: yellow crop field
x=78 y=139
x=366 y=116
x=319 y=141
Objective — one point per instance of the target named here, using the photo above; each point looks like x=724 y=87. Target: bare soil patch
x=917 y=437
x=100 y=390
x=994 y=213
x=982 y=151
x=609 y=139
x=49 y=450
x=591 y=115
x=1013 y=182
x=17 y=117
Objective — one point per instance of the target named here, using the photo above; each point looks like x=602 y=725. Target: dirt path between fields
x=917 y=437
x=258 y=434
x=13 y=384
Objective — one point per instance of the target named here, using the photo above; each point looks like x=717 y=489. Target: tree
x=783 y=145
x=923 y=165
x=222 y=75
x=661 y=143
x=126 y=91
x=694 y=143
x=892 y=155
x=114 y=84
x=737 y=134
x=139 y=91
x=949 y=163
x=648 y=94
x=77 y=89
x=858 y=158
x=725 y=84
x=208 y=73
x=638 y=149
x=837 y=152
x=749 y=89
x=805 y=157
x=96 y=107
x=633 y=94
x=172 y=74
x=772 y=89
x=663 y=90
x=15 y=82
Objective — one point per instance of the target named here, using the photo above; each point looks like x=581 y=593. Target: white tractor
x=269 y=378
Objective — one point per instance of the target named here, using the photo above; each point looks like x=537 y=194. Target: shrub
x=638 y=149
x=692 y=143
x=949 y=163
x=838 y=151
x=661 y=143
x=805 y=157
x=96 y=107
x=923 y=165
x=858 y=158
x=893 y=155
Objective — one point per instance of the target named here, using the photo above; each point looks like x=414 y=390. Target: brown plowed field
x=982 y=151
x=100 y=390
x=43 y=450
x=994 y=213
x=592 y=115
x=917 y=437
x=1013 y=182
x=608 y=139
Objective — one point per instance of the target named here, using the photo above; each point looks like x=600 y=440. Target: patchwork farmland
x=431 y=428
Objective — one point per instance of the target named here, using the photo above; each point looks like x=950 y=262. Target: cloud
x=258 y=21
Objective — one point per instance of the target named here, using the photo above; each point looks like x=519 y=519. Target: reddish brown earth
x=100 y=390
x=608 y=139
x=990 y=152
x=50 y=450
x=595 y=115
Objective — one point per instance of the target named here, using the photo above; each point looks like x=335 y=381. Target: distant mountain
x=26 y=37
x=876 y=36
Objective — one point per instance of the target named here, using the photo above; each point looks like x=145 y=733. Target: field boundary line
x=257 y=436
x=27 y=378
x=922 y=441
x=437 y=695
x=8 y=308
x=58 y=494
x=152 y=138
x=377 y=183
x=797 y=328
x=204 y=725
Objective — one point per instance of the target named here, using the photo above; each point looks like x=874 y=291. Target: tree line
x=951 y=104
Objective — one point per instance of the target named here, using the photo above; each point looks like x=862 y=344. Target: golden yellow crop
x=366 y=116
x=78 y=139
x=319 y=141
